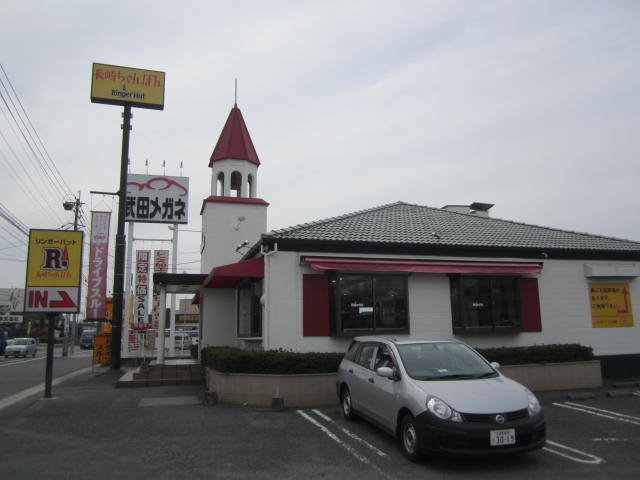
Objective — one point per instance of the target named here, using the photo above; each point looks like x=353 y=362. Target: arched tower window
x=220 y=184
x=236 y=184
x=250 y=188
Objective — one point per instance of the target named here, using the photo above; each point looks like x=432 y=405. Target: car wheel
x=410 y=438
x=346 y=405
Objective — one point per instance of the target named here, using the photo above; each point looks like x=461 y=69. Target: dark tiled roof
x=416 y=225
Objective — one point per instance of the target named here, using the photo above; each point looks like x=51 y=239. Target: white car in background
x=21 y=347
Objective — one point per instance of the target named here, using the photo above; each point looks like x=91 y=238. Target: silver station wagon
x=438 y=397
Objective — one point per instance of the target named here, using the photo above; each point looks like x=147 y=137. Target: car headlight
x=534 y=405
x=440 y=409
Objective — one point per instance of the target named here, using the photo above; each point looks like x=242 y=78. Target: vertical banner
x=160 y=265
x=141 y=320
x=98 y=254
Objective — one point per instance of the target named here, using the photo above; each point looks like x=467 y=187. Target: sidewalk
x=91 y=429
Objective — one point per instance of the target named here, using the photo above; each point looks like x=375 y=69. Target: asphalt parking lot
x=91 y=429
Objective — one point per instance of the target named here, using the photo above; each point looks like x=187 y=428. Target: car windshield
x=21 y=341
x=443 y=361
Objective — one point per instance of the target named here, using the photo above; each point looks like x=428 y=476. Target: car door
x=382 y=392
x=359 y=373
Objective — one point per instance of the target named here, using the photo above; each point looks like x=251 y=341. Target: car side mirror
x=387 y=372
x=496 y=366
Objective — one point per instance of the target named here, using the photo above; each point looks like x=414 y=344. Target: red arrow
x=66 y=301
x=626 y=301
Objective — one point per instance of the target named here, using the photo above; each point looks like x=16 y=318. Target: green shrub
x=571 y=352
x=281 y=362
x=235 y=360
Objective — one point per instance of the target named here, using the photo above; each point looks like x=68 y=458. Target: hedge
x=235 y=360
x=571 y=352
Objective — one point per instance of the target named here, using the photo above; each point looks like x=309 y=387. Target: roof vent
x=476 y=208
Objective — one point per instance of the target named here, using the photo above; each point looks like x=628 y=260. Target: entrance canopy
x=229 y=276
x=418 y=266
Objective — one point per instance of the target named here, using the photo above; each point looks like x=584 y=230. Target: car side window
x=384 y=358
x=365 y=355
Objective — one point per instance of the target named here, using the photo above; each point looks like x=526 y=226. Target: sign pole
x=50 y=341
x=121 y=244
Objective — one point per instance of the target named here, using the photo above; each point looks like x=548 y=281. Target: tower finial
x=235 y=98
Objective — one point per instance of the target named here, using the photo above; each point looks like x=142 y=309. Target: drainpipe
x=266 y=294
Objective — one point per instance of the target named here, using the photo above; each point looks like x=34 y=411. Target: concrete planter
x=556 y=376
x=312 y=390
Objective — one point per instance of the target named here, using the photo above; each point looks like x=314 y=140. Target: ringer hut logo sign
x=54 y=265
x=55 y=259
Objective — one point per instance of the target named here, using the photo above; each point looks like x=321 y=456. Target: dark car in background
x=86 y=340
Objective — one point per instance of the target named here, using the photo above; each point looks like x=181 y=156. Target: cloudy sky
x=531 y=105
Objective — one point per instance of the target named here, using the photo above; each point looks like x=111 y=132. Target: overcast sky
x=531 y=105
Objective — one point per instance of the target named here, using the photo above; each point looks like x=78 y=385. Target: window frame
x=460 y=321
x=335 y=306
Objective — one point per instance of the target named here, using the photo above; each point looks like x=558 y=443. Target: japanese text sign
x=160 y=265
x=116 y=85
x=54 y=265
x=98 y=253
x=101 y=348
x=157 y=199
x=610 y=305
x=141 y=321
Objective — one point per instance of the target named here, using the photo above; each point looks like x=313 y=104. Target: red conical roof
x=235 y=141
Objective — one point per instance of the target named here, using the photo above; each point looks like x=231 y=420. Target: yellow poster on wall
x=610 y=305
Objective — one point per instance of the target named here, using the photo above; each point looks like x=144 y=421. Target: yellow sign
x=115 y=85
x=54 y=265
x=610 y=305
x=101 y=348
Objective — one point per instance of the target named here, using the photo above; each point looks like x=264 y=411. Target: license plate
x=503 y=437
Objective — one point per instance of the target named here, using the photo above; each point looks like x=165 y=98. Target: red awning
x=417 y=266
x=228 y=276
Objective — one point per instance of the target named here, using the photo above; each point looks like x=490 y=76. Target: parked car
x=438 y=397
x=86 y=339
x=21 y=347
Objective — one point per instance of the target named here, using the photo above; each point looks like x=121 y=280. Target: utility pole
x=121 y=245
x=75 y=206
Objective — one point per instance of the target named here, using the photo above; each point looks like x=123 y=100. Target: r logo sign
x=55 y=259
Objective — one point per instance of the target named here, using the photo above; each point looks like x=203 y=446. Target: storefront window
x=363 y=304
x=485 y=303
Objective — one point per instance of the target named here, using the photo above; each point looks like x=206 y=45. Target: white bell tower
x=233 y=217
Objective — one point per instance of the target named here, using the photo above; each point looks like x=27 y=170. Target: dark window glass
x=250 y=309
x=484 y=303
x=368 y=303
x=365 y=355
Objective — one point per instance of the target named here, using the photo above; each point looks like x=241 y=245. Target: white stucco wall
x=218 y=316
x=223 y=230
x=564 y=304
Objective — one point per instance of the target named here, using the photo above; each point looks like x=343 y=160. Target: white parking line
x=600 y=412
x=344 y=445
x=351 y=434
x=588 y=458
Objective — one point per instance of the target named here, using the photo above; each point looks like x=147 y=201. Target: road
x=22 y=374
x=92 y=429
